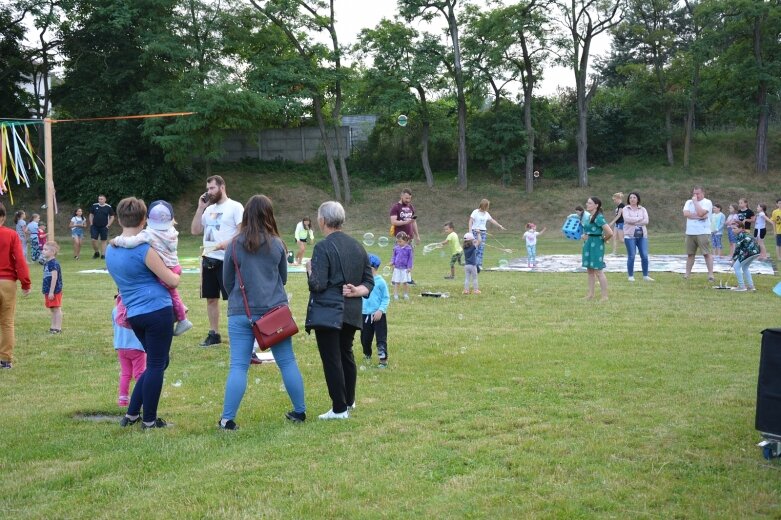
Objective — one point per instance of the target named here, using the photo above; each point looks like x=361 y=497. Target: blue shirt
x=49 y=267
x=141 y=291
x=124 y=339
x=470 y=255
x=378 y=299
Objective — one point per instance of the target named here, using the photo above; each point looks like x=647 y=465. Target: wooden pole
x=47 y=137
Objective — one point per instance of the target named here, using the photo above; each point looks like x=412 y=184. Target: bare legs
x=593 y=276
x=300 y=252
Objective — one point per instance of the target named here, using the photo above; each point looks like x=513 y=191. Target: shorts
x=695 y=242
x=78 y=232
x=98 y=233
x=760 y=233
x=715 y=240
x=52 y=304
x=619 y=225
x=733 y=239
x=212 y=285
x=778 y=239
x=455 y=259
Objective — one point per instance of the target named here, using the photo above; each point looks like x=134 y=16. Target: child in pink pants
x=132 y=358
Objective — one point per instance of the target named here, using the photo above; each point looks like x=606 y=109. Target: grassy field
x=522 y=402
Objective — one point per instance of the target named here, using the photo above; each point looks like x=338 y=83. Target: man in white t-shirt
x=218 y=218
x=697 y=211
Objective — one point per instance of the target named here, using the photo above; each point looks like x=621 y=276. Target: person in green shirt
x=455 y=249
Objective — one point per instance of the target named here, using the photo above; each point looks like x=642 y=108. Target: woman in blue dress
x=596 y=232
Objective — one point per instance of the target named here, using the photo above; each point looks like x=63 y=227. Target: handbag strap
x=241 y=280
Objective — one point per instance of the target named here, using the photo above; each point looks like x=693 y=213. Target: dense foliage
x=675 y=67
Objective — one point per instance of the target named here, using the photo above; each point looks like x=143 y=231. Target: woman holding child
x=138 y=273
x=261 y=259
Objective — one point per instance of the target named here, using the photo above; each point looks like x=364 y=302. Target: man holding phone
x=402 y=216
x=218 y=218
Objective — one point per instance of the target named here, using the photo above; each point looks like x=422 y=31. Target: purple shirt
x=402 y=257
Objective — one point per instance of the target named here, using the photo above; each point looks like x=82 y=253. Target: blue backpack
x=573 y=227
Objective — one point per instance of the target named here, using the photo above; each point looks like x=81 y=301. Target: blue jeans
x=241 y=343
x=155 y=331
x=742 y=272
x=632 y=246
x=531 y=254
x=481 y=234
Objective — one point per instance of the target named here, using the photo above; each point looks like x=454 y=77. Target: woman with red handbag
x=261 y=262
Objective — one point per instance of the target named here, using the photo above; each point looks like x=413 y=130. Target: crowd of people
x=245 y=261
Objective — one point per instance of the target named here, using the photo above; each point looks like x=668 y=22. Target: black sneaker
x=229 y=425
x=96 y=255
x=159 y=423
x=127 y=421
x=103 y=256
x=255 y=360
x=296 y=417
x=6 y=364
x=213 y=338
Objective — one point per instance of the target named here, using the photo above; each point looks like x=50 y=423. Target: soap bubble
x=386 y=271
x=460 y=316
x=503 y=263
x=363 y=367
x=368 y=239
x=177 y=383
x=257 y=380
x=512 y=300
x=382 y=241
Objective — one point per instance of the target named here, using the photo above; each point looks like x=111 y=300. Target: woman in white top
x=636 y=235
x=760 y=228
x=303 y=234
x=478 y=222
x=77 y=225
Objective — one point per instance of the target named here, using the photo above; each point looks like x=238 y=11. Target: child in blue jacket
x=375 y=306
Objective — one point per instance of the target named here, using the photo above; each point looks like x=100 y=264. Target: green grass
x=522 y=402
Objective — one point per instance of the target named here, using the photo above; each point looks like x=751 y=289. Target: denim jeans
x=241 y=342
x=481 y=234
x=155 y=331
x=531 y=254
x=742 y=272
x=632 y=246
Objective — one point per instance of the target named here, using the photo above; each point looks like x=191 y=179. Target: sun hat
x=160 y=216
x=469 y=236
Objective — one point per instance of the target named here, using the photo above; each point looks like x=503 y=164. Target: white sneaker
x=351 y=406
x=331 y=415
x=648 y=279
x=739 y=289
x=182 y=326
x=631 y=278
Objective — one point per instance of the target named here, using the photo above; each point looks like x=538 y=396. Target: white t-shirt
x=480 y=219
x=531 y=237
x=696 y=226
x=761 y=219
x=220 y=223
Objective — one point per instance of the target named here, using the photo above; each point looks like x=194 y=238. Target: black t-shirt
x=744 y=215
x=100 y=214
x=619 y=212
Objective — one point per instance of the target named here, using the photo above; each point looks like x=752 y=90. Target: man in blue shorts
x=101 y=216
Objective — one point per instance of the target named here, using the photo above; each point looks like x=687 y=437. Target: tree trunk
x=668 y=127
x=582 y=137
x=762 y=128
x=424 y=136
x=527 y=121
x=317 y=105
x=342 y=164
x=459 y=79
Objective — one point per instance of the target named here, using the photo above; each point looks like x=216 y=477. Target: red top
x=13 y=266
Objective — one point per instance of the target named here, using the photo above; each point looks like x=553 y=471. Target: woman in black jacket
x=339 y=275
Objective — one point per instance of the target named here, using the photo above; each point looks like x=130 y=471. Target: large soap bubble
x=368 y=239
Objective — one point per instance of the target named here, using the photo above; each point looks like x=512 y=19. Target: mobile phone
x=205 y=197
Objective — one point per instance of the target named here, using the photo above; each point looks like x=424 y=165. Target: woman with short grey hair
x=339 y=275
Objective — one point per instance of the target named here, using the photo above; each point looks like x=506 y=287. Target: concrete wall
x=289 y=144
x=294 y=144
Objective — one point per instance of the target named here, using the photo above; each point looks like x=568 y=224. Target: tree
x=583 y=20
x=109 y=58
x=401 y=54
x=296 y=18
x=14 y=65
x=746 y=44
x=426 y=9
